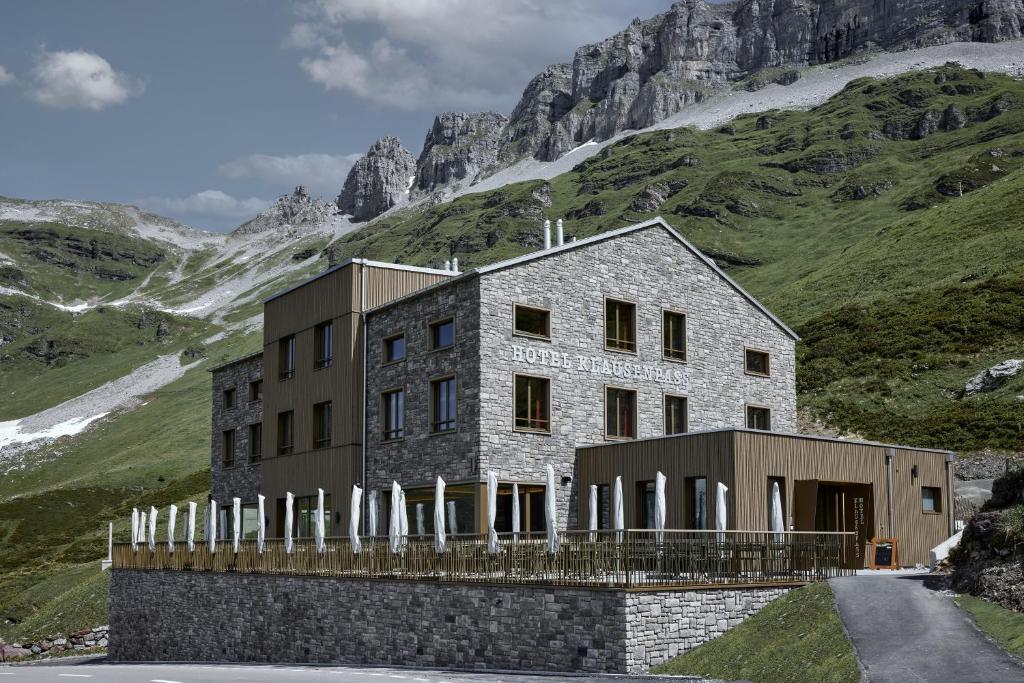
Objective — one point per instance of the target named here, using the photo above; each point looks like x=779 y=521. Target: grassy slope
x=803 y=624
x=1002 y=625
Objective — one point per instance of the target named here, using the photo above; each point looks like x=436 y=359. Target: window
x=394 y=348
x=286 y=357
x=442 y=405
x=250 y=521
x=756 y=363
x=285 y=432
x=675 y=414
x=393 y=412
x=322 y=425
x=696 y=503
x=645 y=498
x=620 y=413
x=620 y=325
x=256 y=390
x=931 y=499
x=759 y=418
x=255 y=442
x=229 y=398
x=532 y=403
x=229 y=448
x=324 y=345
x=781 y=481
x=604 y=506
x=673 y=332
x=532 y=322
x=442 y=334
x=304 y=508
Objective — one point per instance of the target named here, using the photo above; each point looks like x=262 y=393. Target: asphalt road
x=99 y=672
x=904 y=632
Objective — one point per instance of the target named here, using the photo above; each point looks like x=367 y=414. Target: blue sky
x=207 y=111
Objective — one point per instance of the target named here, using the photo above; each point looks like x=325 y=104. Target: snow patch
x=11 y=431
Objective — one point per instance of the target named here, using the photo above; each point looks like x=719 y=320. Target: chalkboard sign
x=883 y=553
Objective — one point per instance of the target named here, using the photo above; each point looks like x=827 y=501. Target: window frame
x=317 y=442
x=686 y=335
x=636 y=413
x=285 y=375
x=431 y=326
x=384 y=438
x=431 y=408
x=255 y=457
x=282 y=447
x=515 y=417
x=384 y=348
x=230 y=398
x=686 y=412
x=936 y=500
x=326 y=361
x=256 y=395
x=530 y=335
x=767 y=362
x=690 y=501
x=746 y=416
x=604 y=325
x=228 y=435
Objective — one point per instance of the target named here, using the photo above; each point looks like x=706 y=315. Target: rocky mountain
x=657 y=67
x=378 y=180
x=295 y=210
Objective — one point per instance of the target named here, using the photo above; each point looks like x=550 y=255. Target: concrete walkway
x=904 y=632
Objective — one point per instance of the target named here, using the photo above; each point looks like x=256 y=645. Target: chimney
x=547 y=235
x=561 y=235
x=447 y=265
x=455 y=264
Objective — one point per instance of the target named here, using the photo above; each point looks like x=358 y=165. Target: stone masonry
x=242 y=479
x=208 y=616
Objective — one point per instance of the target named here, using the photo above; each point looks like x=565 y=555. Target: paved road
x=904 y=632
x=98 y=672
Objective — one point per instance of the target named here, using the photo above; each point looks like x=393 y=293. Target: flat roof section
x=360 y=262
x=227 y=364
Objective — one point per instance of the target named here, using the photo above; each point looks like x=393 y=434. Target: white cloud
x=452 y=53
x=80 y=80
x=207 y=204
x=322 y=173
x=5 y=76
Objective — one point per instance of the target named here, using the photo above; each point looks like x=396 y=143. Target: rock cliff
x=458 y=146
x=378 y=180
x=295 y=210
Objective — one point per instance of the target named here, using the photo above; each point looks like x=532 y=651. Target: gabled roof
x=658 y=221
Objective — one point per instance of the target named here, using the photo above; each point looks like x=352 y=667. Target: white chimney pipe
x=455 y=264
x=447 y=265
x=547 y=235
x=561 y=235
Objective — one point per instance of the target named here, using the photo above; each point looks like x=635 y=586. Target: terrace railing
x=626 y=559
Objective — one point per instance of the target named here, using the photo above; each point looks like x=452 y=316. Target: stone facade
x=209 y=616
x=243 y=478
x=648 y=267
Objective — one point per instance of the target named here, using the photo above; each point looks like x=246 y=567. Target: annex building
x=623 y=354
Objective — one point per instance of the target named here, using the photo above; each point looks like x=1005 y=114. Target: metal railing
x=627 y=559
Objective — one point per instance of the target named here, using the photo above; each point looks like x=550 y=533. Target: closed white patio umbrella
x=142 y=527
x=551 y=511
x=152 y=528
x=659 y=507
x=172 y=518
x=353 y=519
x=190 y=528
x=236 y=523
x=320 y=532
x=439 y=540
x=289 y=521
x=776 y=523
x=453 y=522
x=421 y=519
x=371 y=514
x=721 y=509
x=211 y=537
x=515 y=512
x=593 y=513
x=492 y=512
x=619 y=513
x=395 y=521
x=261 y=522
x=135 y=528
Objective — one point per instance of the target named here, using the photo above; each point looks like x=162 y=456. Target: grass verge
x=799 y=637
x=1004 y=626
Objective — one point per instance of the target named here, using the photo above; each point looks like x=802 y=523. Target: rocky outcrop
x=295 y=210
x=377 y=181
x=545 y=103
x=458 y=146
x=994 y=377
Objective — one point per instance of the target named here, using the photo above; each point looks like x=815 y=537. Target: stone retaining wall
x=200 y=616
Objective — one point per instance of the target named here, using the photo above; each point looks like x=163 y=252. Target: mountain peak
x=297 y=210
x=378 y=181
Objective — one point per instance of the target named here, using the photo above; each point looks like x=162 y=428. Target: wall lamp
x=566 y=480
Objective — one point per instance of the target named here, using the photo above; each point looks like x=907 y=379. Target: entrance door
x=835 y=506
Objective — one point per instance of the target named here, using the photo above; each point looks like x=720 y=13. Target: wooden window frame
x=746 y=416
x=255 y=456
x=319 y=443
x=636 y=414
x=686 y=336
x=258 y=395
x=431 y=409
x=281 y=446
x=938 y=500
x=767 y=360
x=327 y=360
x=686 y=414
x=604 y=325
x=690 y=502
x=231 y=392
x=384 y=438
x=515 y=418
x=437 y=323
x=228 y=462
x=285 y=375
x=384 y=348
x=530 y=335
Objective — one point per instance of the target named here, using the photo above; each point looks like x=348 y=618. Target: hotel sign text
x=595 y=365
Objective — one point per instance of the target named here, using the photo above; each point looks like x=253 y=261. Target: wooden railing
x=631 y=559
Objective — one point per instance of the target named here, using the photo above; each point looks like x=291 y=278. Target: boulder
x=8 y=652
x=994 y=377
